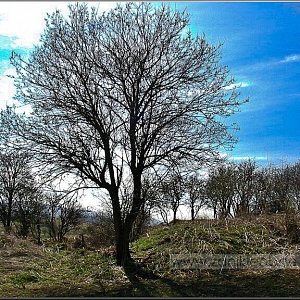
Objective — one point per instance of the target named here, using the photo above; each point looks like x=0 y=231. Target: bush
x=97 y=233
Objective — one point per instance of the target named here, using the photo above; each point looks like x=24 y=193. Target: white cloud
x=7 y=92
x=25 y=20
x=23 y=23
x=263 y=65
x=236 y=85
x=7 y=89
x=291 y=58
x=248 y=157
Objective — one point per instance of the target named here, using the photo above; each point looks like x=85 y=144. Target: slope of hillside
x=211 y=237
x=27 y=270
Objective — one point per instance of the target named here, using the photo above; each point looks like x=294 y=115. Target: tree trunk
x=215 y=212
x=123 y=254
x=193 y=213
x=39 y=239
x=122 y=231
x=123 y=227
x=122 y=246
x=9 y=215
x=174 y=216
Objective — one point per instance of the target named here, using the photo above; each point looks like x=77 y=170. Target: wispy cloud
x=270 y=63
x=291 y=58
x=236 y=85
x=248 y=157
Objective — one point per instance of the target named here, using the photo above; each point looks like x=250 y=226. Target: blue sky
x=261 y=48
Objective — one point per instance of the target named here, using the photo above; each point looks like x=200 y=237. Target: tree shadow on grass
x=228 y=284
x=145 y=283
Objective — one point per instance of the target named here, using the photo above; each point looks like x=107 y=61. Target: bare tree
x=15 y=175
x=29 y=210
x=281 y=180
x=162 y=208
x=63 y=213
x=173 y=190
x=122 y=92
x=220 y=190
x=244 y=186
x=295 y=184
x=37 y=216
x=262 y=192
x=196 y=194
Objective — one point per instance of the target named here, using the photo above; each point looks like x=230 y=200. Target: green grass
x=28 y=270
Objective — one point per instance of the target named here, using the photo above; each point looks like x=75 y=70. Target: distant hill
x=89 y=217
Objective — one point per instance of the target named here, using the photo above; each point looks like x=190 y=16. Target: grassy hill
x=28 y=270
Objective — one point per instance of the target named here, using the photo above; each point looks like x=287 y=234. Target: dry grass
x=28 y=270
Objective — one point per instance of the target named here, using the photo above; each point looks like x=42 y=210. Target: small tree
x=173 y=190
x=15 y=178
x=63 y=213
x=196 y=195
x=220 y=190
x=29 y=210
x=244 y=187
x=262 y=192
x=281 y=200
x=37 y=216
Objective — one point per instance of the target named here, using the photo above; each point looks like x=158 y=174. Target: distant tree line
x=230 y=190
x=237 y=189
x=26 y=206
